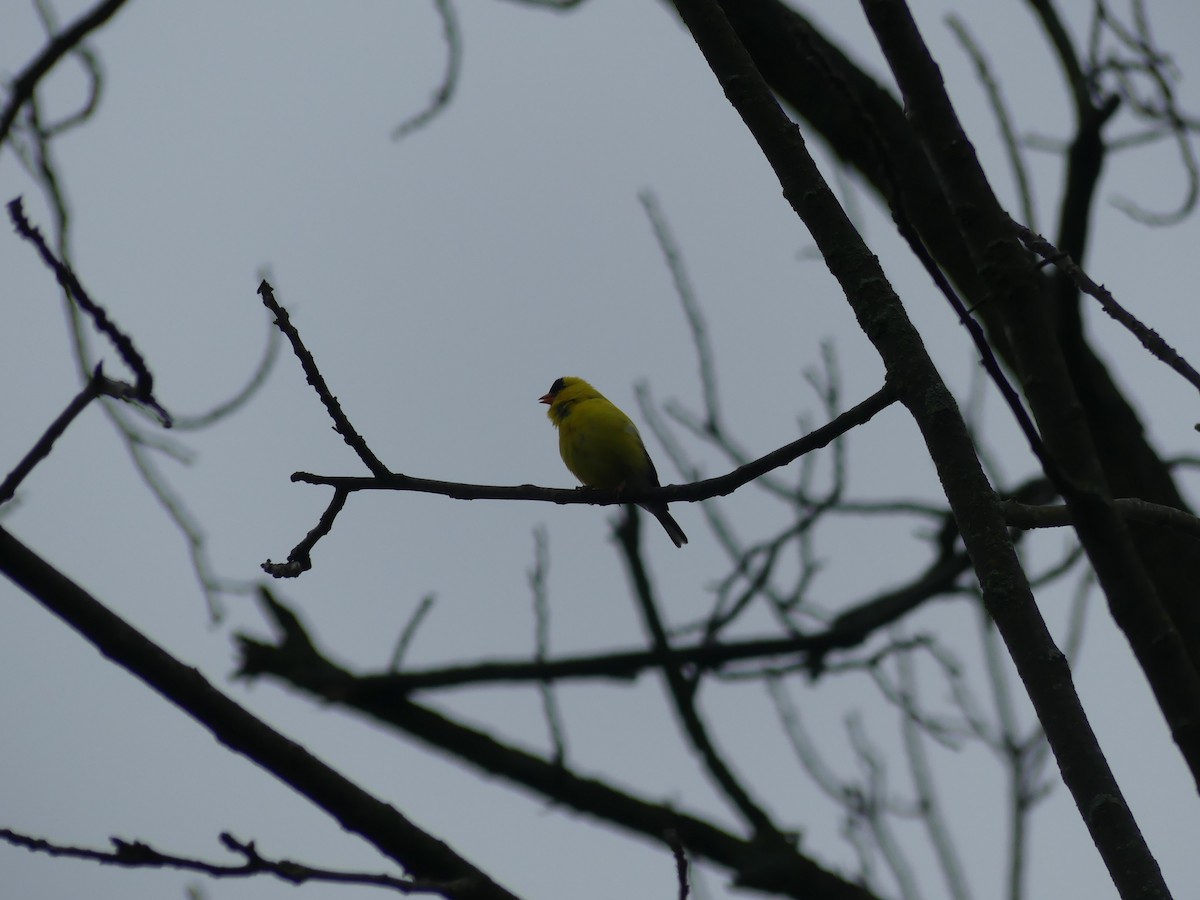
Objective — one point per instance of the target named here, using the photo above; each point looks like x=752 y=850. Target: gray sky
x=442 y=283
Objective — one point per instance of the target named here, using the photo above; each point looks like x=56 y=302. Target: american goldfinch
x=602 y=447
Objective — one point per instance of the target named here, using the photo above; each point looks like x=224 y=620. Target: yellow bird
x=602 y=447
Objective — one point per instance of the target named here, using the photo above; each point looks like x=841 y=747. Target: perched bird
x=602 y=447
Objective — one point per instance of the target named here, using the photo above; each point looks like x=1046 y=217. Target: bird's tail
x=674 y=532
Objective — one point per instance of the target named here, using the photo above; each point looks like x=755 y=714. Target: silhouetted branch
x=27 y=80
x=682 y=689
x=1021 y=515
x=240 y=398
x=882 y=318
x=444 y=93
x=1132 y=596
x=232 y=725
x=410 y=631
x=93 y=74
x=699 y=490
x=772 y=867
x=137 y=439
x=300 y=561
x=681 y=863
x=691 y=308
x=313 y=375
x=75 y=290
x=928 y=803
x=1161 y=107
x=1149 y=338
x=541 y=644
x=1008 y=134
x=41 y=449
x=140 y=855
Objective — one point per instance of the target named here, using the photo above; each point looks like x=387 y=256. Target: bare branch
x=541 y=617
x=27 y=81
x=41 y=449
x=932 y=817
x=698 y=490
x=444 y=93
x=683 y=689
x=1021 y=515
x=1008 y=134
x=1149 y=338
x=771 y=866
x=70 y=284
x=340 y=423
x=1005 y=588
x=140 y=855
x=241 y=397
x=299 y=560
x=356 y=810
x=410 y=631
x=691 y=307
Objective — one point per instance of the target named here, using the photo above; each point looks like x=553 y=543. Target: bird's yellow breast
x=601 y=446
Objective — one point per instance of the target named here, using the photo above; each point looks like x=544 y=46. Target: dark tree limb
x=1040 y=362
x=771 y=866
x=1006 y=592
x=421 y=854
x=810 y=74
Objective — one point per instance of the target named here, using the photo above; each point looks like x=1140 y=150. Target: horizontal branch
x=769 y=867
x=1021 y=515
x=140 y=855
x=850 y=629
x=690 y=493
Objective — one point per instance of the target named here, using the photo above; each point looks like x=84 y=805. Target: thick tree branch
x=420 y=853
x=1040 y=362
x=812 y=75
x=1005 y=589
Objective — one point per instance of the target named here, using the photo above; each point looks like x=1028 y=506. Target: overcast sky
x=443 y=282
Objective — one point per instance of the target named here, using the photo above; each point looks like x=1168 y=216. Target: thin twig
x=1149 y=338
x=541 y=651
x=66 y=277
x=41 y=449
x=140 y=855
x=1008 y=134
x=410 y=631
x=26 y=82
x=932 y=816
x=340 y=423
x=682 y=689
x=300 y=559
x=444 y=93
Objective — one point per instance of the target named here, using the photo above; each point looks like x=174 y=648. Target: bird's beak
x=546 y=398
